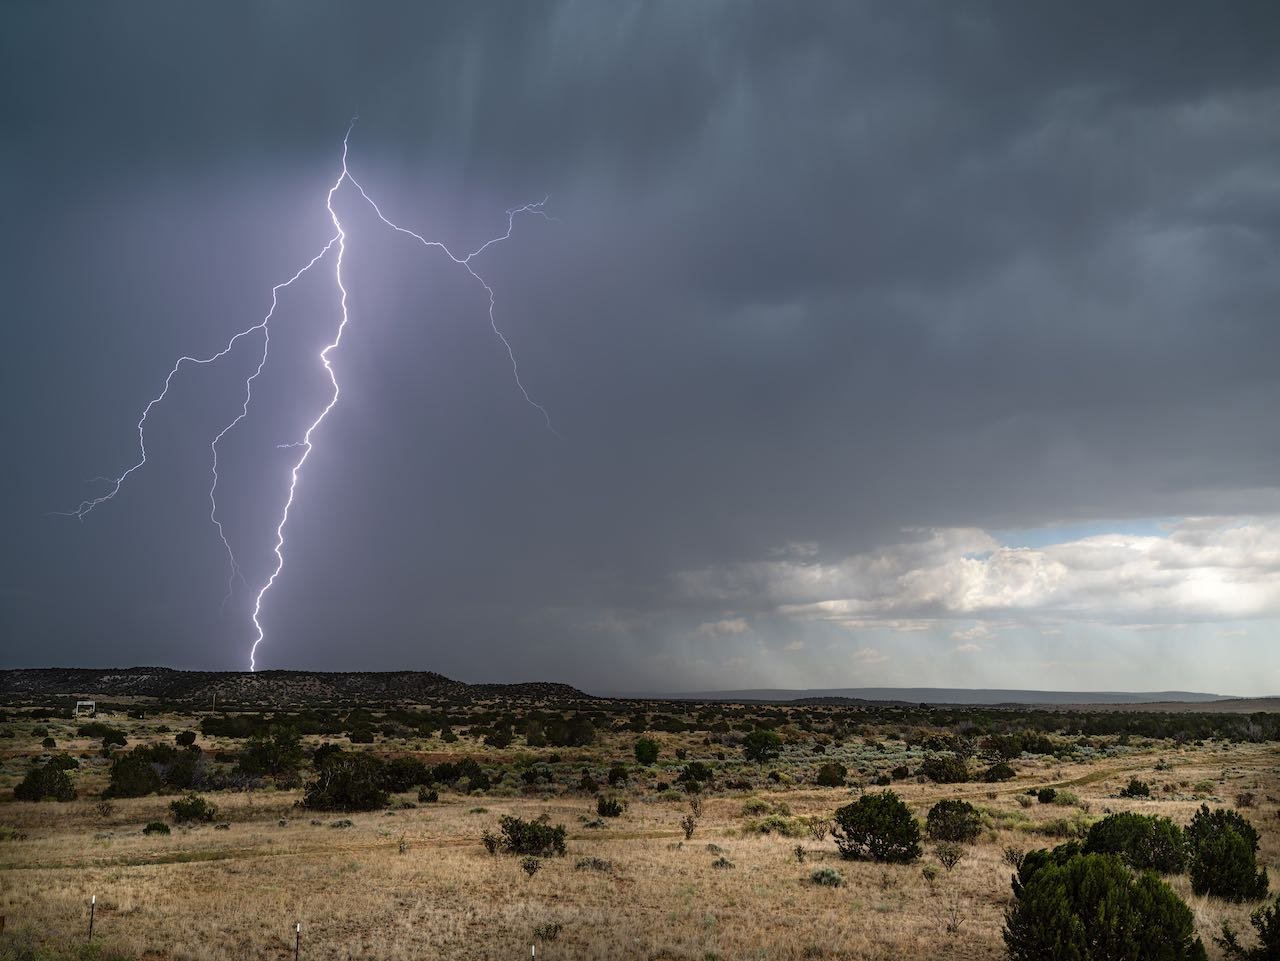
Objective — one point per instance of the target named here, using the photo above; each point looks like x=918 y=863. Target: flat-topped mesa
x=266 y=688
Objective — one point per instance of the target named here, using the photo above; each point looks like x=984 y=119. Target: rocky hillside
x=265 y=688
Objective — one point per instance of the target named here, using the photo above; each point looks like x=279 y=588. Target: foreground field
x=414 y=880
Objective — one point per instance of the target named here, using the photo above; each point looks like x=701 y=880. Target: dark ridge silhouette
x=266 y=688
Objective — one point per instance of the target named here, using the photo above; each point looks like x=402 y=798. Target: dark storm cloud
x=821 y=273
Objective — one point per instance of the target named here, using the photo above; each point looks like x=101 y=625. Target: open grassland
x=413 y=880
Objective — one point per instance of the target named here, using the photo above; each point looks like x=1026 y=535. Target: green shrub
x=192 y=808
x=609 y=807
x=945 y=769
x=877 y=827
x=1000 y=771
x=63 y=762
x=46 y=782
x=761 y=746
x=1224 y=847
x=1136 y=788
x=1046 y=795
x=133 y=775
x=537 y=838
x=347 y=782
x=428 y=795
x=776 y=823
x=185 y=738
x=831 y=774
x=1142 y=841
x=1091 y=907
x=156 y=827
x=48 y=744
x=696 y=772
x=953 y=820
x=404 y=773
x=1266 y=921
x=276 y=752
x=827 y=877
x=646 y=751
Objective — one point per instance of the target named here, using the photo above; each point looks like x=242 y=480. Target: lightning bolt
x=263 y=328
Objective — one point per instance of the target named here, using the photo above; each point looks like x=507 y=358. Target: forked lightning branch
x=335 y=250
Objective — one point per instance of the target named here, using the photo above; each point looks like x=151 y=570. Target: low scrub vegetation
x=1092 y=907
x=877 y=827
x=953 y=820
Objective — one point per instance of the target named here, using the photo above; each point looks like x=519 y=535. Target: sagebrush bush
x=953 y=820
x=48 y=781
x=877 y=827
x=1142 y=841
x=787 y=827
x=1223 y=847
x=1091 y=907
x=827 y=877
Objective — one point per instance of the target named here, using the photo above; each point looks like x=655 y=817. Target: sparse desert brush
x=193 y=808
x=547 y=930
x=537 y=837
x=827 y=878
x=754 y=807
x=948 y=853
x=1136 y=789
x=778 y=824
x=610 y=807
x=1266 y=924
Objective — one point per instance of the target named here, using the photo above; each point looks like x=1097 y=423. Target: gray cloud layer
x=821 y=274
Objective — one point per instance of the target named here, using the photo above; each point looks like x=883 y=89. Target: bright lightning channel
x=263 y=327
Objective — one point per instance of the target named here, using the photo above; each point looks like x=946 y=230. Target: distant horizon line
x=922 y=694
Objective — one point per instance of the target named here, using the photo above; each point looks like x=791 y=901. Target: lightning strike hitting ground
x=263 y=327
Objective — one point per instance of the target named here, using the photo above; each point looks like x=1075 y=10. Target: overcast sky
x=884 y=344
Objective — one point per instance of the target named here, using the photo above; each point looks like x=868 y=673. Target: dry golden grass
x=206 y=894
